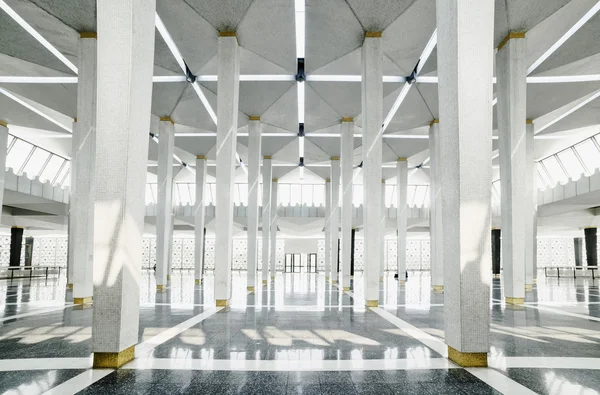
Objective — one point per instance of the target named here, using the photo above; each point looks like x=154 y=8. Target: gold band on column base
x=168 y=277
x=265 y=282
x=326 y=278
x=468 y=359
x=380 y=278
x=334 y=282
x=346 y=289
x=510 y=300
x=437 y=288
x=535 y=280
x=198 y=281
x=222 y=302
x=272 y=278
x=69 y=286
x=371 y=303
x=113 y=360
x=85 y=300
x=528 y=287
x=161 y=288
x=402 y=282
x=250 y=288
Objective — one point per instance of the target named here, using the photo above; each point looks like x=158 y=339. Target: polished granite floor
x=301 y=335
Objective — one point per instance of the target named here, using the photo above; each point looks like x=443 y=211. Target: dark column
x=28 y=251
x=16 y=239
x=591 y=248
x=352 y=252
x=496 y=248
x=578 y=245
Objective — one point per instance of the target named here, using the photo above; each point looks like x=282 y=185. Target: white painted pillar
x=164 y=202
x=199 y=218
x=347 y=152
x=267 y=173
x=531 y=209
x=327 y=229
x=254 y=148
x=335 y=216
x=372 y=149
x=435 y=209
x=511 y=73
x=3 y=153
x=82 y=205
x=71 y=219
x=401 y=216
x=227 y=115
x=273 y=227
x=382 y=262
x=124 y=86
x=465 y=48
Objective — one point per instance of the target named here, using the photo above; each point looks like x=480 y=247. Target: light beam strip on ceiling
x=300 y=24
x=404 y=91
x=37 y=36
x=588 y=15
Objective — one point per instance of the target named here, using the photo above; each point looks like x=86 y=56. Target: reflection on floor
x=301 y=335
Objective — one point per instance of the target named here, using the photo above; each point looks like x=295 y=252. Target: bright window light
x=300 y=102
x=588 y=15
x=37 y=36
x=300 y=27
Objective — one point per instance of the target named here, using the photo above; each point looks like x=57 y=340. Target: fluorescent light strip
x=301 y=94
x=427 y=51
x=205 y=102
x=300 y=13
x=37 y=36
x=162 y=29
x=302 y=172
x=568 y=112
x=333 y=78
x=38 y=80
x=168 y=78
x=563 y=78
x=267 y=77
x=35 y=110
x=301 y=146
x=588 y=15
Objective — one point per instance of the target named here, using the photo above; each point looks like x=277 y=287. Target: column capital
x=328 y=180
x=274 y=180
x=347 y=119
x=267 y=157
x=587 y=227
x=254 y=118
x=167 y=119
x=402 y=160
x=2 y=123
x=373 y=34
x=335 y=158
x=230 y=33
x=88 y=35
x=529 y=122
x=434 y=122
x=510 y=36
x=201 y=157
x=383 y=181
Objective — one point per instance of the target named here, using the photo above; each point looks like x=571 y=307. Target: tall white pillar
x=401 y=216
x=327 y=229
x=164 y=201
x=82 y=204
x=199 y=218
x=227 y=114
x=372 y=150
x=335 y=217
x=124 y=86
x=254 y=148
x=531 y=209
x=71 y=219
x=511 y=73
x=382 y=262
x=347 y=152
x=435 y=209
x=3 y=152
x=465 y=48
x=274 y=228
x=267 y=173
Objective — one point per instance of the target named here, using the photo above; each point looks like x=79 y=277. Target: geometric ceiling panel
x=165 y=96
x=319 y=113
x=405 y=148
x=544 y=98
x=429 y=93
x=587 y=115
x=284 y=112
x=376 y=15
x=58 y=97
x=350 y=64
x=327 y=37
x=196 y=145
x=80 y=15
x=268 y=29
x=257 y=96
x=223 y=15
x=412 y=113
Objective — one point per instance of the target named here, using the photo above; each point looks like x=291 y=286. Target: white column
x=435 y=209
x=531 y=209
x=465 y=48
x=327 y=228
x=401 y=216
x=164 y=202
x=3 y=152
x=347 y=152
x=372 y=149
x=267 y=173
x=125 y=68
x=71 y=219
x=254 y=148
x=199 y=218
x=335 y=216
x=511 y=73
x=227 y=115
x=82 y=205
x=273 y=228
x=382 y=262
